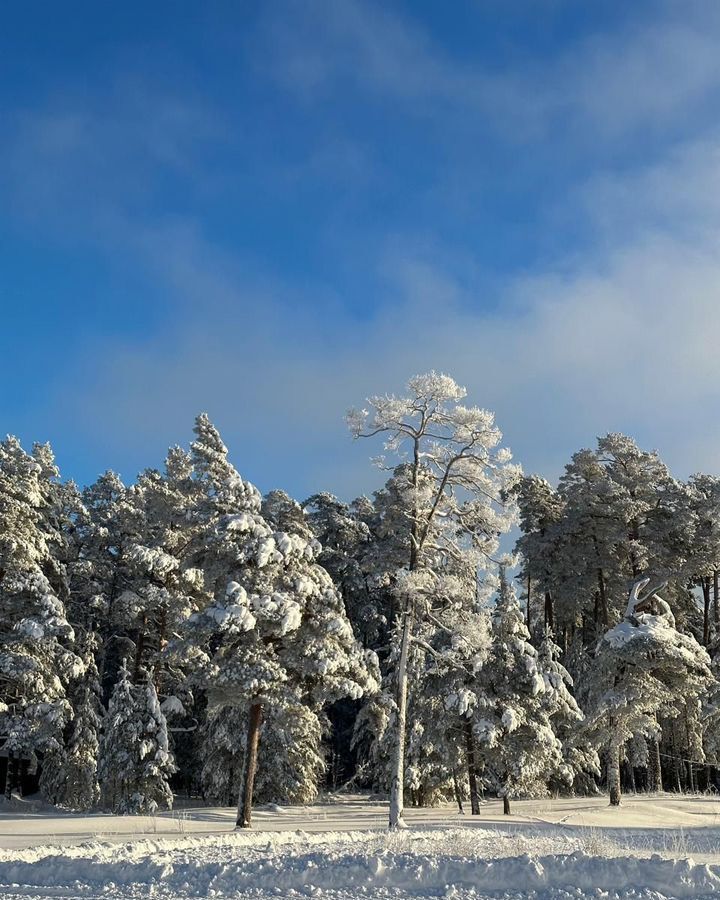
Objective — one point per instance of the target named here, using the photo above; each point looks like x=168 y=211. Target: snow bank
x=340 y=866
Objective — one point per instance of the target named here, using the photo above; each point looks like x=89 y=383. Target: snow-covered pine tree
x=36 y=658
x=710 y=712
x=702 y=537
x=275 y=634
x=643 y=668
x=345 y=538
x=456 y=477
x=102 y=575
x=512 y=717
x=541 y=513
x=135 y=762
x=616 y=513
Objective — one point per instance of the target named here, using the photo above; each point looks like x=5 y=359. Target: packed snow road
x=539 y=855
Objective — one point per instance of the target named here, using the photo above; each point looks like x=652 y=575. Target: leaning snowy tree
x=458 y=476
x=643 y=667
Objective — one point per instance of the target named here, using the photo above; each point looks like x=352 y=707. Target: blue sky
x=268 y=210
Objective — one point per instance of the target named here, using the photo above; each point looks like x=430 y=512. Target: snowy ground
x=652 y=848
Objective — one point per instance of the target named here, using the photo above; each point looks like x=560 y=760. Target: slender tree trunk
x=613 y=773
x=506 y=805
x=716 y=597
x=634 y=536
x=395 y=819
x=458 y=797
x=604 y=614
x=10 y=775
x=677 y=765
x=244 y=816
x=139 y=647
x=162 y=628
x=472 y=775
x=705 y=583
x=528 y=601
x=398 y=763
x=692 y=785
x=549 y=611
x=655 y=766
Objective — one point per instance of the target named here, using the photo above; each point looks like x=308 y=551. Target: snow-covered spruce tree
x=275 y=634
x=513 y=715
x=69 y=777
x=222 y=754
x=643 y=668
x=135 y=762
x=456 y=476
x=36 y=658
x=566 y=718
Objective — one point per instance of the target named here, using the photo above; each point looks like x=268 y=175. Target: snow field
x=528 y=857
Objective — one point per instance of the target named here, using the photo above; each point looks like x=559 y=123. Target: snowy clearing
x=653 y=847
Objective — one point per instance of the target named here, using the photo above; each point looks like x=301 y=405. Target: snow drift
x=341 y=866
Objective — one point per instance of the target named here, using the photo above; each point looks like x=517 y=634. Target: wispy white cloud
x=648 y=74
x=84 y=157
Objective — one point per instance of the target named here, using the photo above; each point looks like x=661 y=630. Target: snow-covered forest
x=468 y=629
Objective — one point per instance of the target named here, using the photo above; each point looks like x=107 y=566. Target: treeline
x=185 y=633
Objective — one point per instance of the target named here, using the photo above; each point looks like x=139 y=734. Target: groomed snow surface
x=653 y=847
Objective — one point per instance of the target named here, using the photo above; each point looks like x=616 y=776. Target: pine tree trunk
x=398 y=762
x=456 y=790
x=472 y=776
x=656 y=768
x=604 y=614
x=9 y=776
x=139 y=648
x=529 y=586
x=244 y=816
x=613 y=773
x=716 y=597
x=162 y=627
x=705 y=583
x=506 y=805
x=677 y=766
x=549 y=611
